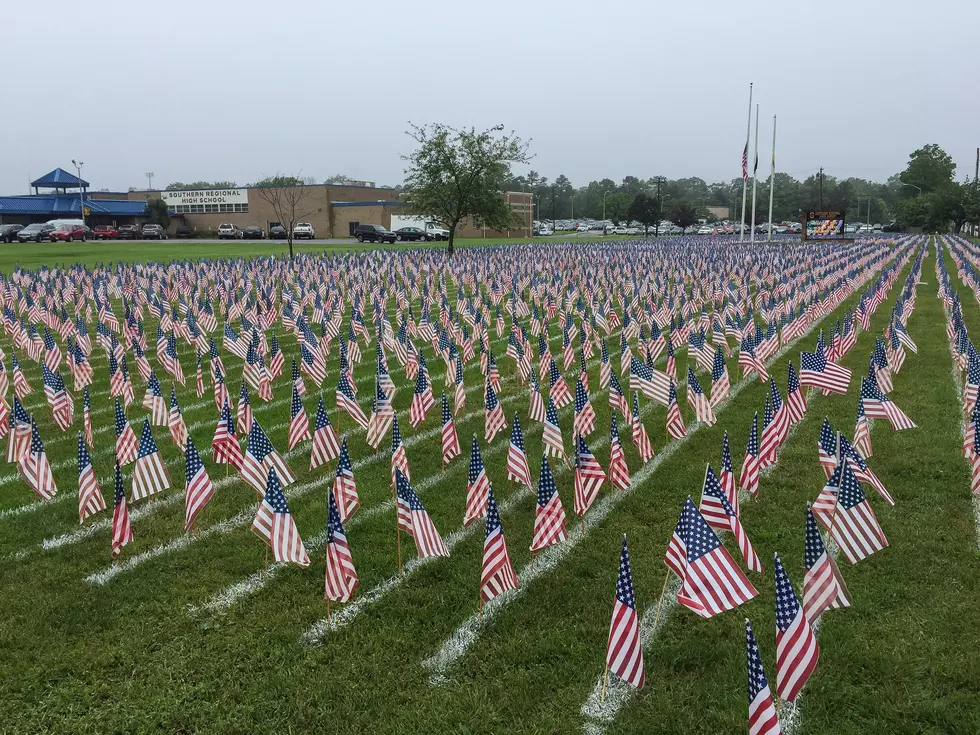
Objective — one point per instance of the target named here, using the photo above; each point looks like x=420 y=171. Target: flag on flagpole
x=344 y=485
x=90 y=500
x=325 y=444
x=497 y=573
x=495 y=420
x=619 y=471
x=640 y=437
x=721 y=515
x=762 y=714
x=274 y=524
x=797 y=651
x=299 y=425
x=122 y=532
x=823 y=585
x=477 y=486
x=554 y=445
x=675 y=422
x=549 y=516
x=225 y=447
x=450 y=441
x=244 y=414
x=720 y=383
x=150 y=475
x=748 y=480
x=415 y=520
x=589 y=477
x=697 y=400
x=624 y=652
x=198 y=487
x=340 y=579
x=175 y=420
x=35 y=468
x=853 y=525
x=518 y=469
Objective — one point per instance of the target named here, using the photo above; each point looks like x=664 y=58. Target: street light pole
x=149 y=180
x=81 y=191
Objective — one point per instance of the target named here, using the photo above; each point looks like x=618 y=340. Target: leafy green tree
x=930 y=168
x=458 y=173
x=279 y=180
x=157 y=213
x=617 y=204
x=199 y=185
x=683 y=214
x=645 y=210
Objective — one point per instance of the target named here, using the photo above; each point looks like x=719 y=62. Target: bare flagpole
x=755 y=169
x=745 y=157
x=772 y=175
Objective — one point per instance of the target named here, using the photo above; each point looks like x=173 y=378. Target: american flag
x=554 y=445
x=762 y=714
x=518 y=469
x=149 y=474
x=220 y=389
x=652 y=383
x=59 y=400
x=827 y=447
x=199 y=489
x=297 y=379
x=671 y=370
x=640 y=436
x=415 y=521
x=340 y=579
x=624 y=653
x=126 y=442
x=260 y=457
x=559 y=391
x=274 y=524
x=825 y=505
x=171 y=363
x=878 y=406
x=774 y=430
x=35 y=468
x=969 y=436
x=675 y=422
x=713 y=582
x=975 y=460
x=244 y=414
x=816 y=371
x=344 y=484
x=497 y=574
x=382 y=415
x=584 y=421
x=861 y=469
x=346 y=400
x=549 y=516
x=536 y=410
x=477 y=486
x=878 y=368
x=154 y=403
x=745 y=161
x=175 y=420
x=399 y=458
x=459 y=397
x=617 y=399
x=90 y=500
x=52 y=353
x=225 y=446
x=87 y=418
x=589 y=477
x=698 y=400
x=854 y=526
x=495 y=420
x=797 y=651
x=605 y=369
x=619 y=471
x=721 y=515
x=720 y=383
x=299 y=425
x=972 y=386
x=795 y=400
x=325 y=444
x=276 y=359
x=122 y=532
x=21 y=386
x=450 y=441
x=422 y=400
x=727 y=474
x=823 y=585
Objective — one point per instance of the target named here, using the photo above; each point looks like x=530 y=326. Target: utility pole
x=821 y=187
x=660 y=208
x=81 y=190
x=554 y=217
x=976 y=170
x=149 y=180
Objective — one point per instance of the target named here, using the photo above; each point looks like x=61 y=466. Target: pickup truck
x=104 y=232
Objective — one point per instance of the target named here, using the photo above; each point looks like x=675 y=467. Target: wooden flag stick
x=267 y=559
x=481 y=608
x=779 y=703
x=605 y=680
x=398 y=541
x=660 y=604
x=328 y=611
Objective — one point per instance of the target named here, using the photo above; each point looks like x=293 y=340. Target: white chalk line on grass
x=467 y=634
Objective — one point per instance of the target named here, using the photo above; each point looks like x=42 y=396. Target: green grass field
x=192 y=635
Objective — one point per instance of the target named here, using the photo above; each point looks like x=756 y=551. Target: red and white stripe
x=149 y=476
x=549 y=524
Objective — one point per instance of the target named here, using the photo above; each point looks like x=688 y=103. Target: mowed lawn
x=197 y=638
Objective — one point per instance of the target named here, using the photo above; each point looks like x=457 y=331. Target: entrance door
x=352 y=226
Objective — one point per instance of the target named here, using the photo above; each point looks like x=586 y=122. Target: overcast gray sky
x=239 y=90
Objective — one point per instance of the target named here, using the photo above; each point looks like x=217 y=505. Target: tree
x=458 y=173
x=199 y=185
x=645 y=210
x=930 y=168
x=157 y=212
x=290 y=199
x=683 y=214
x=336 y=179
x=616 y=205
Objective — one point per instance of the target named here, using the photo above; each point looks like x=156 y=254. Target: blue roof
x=64 y=204
x=59 y=179
x=379 y=203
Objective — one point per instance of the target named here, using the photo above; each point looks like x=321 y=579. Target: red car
x=105 y=232
x=69 y=233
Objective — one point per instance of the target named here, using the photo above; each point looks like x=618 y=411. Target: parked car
x=278 y=232
x=253 y=232
x=104 y=232
x=303 y=230
x=545 y=232
x=182 y=231
x=128 y=232
x=38 y=232
x=371 y=233
x=410 y=234
x=154 y=232
x=228 y=231
x=69 y=233
x=704 y=230
x=8 y=233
